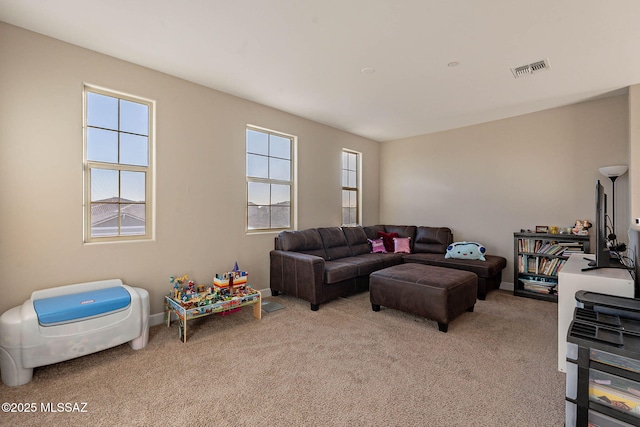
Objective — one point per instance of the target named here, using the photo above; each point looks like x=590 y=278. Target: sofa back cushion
x=303 y=241
x=357 y=240
x=432 y=240
x=372 y=231
x=335 y=243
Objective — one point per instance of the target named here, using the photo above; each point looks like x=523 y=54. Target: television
x=607 y=249
x=603 y=258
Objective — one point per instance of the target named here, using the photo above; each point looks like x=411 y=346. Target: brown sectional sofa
x=322 y=264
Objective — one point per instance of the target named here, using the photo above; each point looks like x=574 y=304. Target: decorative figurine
x=191 y=287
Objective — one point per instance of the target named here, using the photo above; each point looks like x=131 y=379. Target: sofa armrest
x=297 y=274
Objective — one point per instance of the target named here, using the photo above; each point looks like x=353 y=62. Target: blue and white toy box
x=66 y=322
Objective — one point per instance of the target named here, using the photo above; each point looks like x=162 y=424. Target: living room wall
x=489 y=180
x=200 y=174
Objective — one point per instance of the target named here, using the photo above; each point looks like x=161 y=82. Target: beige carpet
x=343 y=365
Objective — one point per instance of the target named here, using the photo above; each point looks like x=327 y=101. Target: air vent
x=533 y=68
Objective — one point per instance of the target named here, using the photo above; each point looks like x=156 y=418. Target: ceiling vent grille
x=533 y=68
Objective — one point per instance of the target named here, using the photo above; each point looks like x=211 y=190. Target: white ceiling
x=306 y=56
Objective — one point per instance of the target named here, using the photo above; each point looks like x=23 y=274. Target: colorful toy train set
x=228 y=293
x=226 y=287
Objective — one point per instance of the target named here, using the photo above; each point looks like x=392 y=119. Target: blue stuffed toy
x=466 y=250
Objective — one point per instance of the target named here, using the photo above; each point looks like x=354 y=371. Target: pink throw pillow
x=402 y=245
x=377 y=246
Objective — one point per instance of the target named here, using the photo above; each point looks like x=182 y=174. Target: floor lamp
x=613 y=172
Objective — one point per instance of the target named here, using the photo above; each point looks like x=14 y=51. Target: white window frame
x=357 y=188
x=293 y=217
x=88 y=165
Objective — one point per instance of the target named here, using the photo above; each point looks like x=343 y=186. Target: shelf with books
x=538 y=257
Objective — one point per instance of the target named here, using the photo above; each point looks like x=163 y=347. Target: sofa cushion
x=402 y=230
x=489 y=268
x=357 y=240
x=432 y=240
x=372 y=231
x=368 y=263
x=337 y=271
x=335 y=243
x=304 y=241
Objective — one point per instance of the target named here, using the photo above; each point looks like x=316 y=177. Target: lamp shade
x=614 y=171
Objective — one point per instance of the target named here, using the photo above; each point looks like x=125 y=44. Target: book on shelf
x=536 y=246
x=546 y=266
x=542 y=248
x=571 y=244
x=529 y=245
x=540 y=289
x=540 y=265
x=538 y=284
x=550 y=247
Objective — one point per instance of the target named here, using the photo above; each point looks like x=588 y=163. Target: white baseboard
x=158 y=318
x=265 y=292
x=506 y=286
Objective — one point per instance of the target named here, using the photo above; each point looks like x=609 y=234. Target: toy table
x=185 y=314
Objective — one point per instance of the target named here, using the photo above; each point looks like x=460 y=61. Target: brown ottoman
x=437 y=293
x=489 y=271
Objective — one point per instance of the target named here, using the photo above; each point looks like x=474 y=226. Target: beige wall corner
x=488 y=181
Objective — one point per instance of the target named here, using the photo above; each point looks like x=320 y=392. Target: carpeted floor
x=343 y=365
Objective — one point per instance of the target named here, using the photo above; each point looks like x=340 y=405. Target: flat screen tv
x=603 y=257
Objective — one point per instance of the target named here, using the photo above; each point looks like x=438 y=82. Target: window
x=117 y=169
x=350 y=187
x=269 y=180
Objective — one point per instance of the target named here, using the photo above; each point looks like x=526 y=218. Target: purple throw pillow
x=377 y=246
